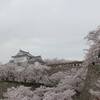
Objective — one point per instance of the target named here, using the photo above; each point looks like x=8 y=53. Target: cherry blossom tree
x=55 y=61
x=32 y=73
x=93 y=53
x=92 y=62
x=65 y=90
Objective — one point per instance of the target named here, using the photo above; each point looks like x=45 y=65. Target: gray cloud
x=53 y=28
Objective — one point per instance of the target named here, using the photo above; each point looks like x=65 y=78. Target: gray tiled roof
x=22 y=53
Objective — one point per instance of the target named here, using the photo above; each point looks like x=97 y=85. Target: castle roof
x=22 y=53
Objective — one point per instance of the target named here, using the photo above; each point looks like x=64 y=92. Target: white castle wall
x=20 y=59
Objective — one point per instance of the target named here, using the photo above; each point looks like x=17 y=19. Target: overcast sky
x=51 y=28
